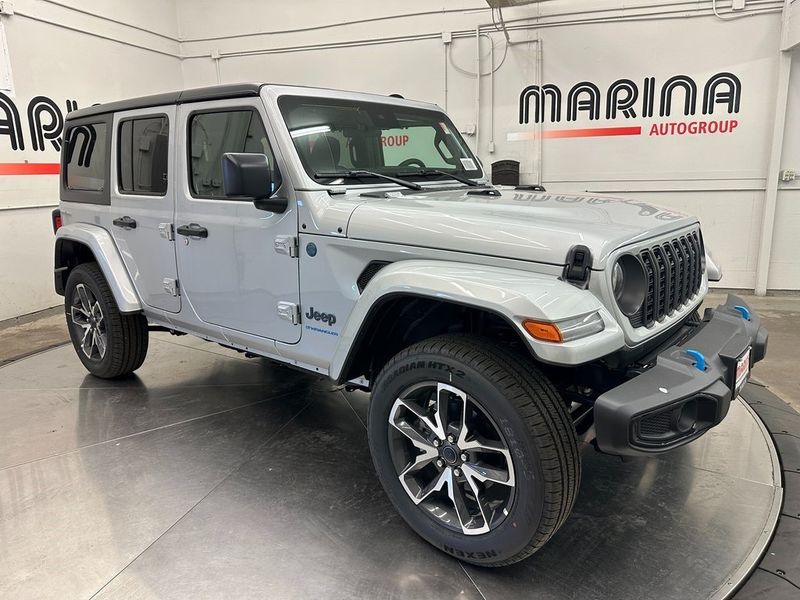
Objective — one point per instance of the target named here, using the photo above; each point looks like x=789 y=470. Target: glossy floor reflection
x=209 y=475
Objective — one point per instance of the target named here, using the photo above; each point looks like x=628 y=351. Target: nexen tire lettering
x=472 y=555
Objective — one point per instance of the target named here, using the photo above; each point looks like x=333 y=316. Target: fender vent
x=369 y=272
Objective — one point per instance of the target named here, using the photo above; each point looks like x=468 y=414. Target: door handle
x=192 y=230
x=125 y=222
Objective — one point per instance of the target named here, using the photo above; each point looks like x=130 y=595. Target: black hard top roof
x=214 y=92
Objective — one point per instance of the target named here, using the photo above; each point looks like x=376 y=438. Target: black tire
x=126 y=336
x=532 y=418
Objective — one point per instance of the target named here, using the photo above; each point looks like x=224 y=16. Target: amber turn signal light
x=547 y=332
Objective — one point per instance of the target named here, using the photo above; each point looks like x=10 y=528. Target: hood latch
x=578 y=268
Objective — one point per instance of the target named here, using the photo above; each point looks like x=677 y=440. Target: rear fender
x=105 y=252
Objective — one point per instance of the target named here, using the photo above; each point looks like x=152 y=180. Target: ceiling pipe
x=640 y=17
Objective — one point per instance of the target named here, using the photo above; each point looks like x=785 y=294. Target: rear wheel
x=108 y=343
x=475 y=449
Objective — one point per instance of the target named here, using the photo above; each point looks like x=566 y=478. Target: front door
x=229 y=269
x=143 y=202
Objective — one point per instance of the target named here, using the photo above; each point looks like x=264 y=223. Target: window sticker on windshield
x=444 y=128
x=468 y=164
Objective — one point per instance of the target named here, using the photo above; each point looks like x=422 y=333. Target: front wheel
x=475 y=449
x=108 y=343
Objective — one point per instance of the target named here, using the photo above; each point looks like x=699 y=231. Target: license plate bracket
x=742 y=371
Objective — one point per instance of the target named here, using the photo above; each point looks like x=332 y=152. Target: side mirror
x=248 y=175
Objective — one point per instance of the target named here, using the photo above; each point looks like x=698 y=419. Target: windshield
x=335 y=137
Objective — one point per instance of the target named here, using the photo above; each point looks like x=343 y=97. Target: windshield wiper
x=438 y=172
x=359 y=174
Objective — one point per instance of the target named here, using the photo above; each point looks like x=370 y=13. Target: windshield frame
x=432 y=112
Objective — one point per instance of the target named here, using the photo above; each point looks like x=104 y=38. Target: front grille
x=674 y=271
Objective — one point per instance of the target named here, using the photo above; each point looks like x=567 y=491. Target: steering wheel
x=412 y=162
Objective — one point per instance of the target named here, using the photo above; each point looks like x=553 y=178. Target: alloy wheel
x=87 y=318
x=451 y=458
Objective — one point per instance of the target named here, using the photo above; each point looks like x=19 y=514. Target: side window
x=143 y=151
x=85 y=160
x=213 y=134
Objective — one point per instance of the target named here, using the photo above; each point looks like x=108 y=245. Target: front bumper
x=675 y=401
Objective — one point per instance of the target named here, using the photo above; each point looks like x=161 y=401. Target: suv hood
x=531 y=226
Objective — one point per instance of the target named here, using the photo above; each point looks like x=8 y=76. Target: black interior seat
x=323 y=154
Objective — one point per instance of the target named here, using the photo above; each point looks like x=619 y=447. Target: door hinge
x=286 y=244
x=166 y=231
x=289 y=311
x=171 y=286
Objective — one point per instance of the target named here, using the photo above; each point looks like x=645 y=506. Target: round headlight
x=617 y=280
x=629 y=283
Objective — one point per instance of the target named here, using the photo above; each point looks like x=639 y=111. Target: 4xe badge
x=328 y=318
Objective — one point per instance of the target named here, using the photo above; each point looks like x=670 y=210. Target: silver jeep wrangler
x=356 y=236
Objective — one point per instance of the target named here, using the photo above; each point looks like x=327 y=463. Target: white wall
x=720 y=178
x=397 y=47
x=785 y=245
x=68 y=59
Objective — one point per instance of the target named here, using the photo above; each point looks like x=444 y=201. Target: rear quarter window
x=85 y=157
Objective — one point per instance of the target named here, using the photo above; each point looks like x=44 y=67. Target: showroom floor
x=211 y=475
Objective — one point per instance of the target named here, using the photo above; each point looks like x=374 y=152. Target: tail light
x=57 y=223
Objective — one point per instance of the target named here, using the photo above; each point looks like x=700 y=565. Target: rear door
x=233 y=276
x=143 y=202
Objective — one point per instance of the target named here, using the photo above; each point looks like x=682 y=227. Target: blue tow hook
x=744 y=311
x=699 y=359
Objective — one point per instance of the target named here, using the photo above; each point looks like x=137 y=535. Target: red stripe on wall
x=574 y=133
x=29 y=168
x=592 y=132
